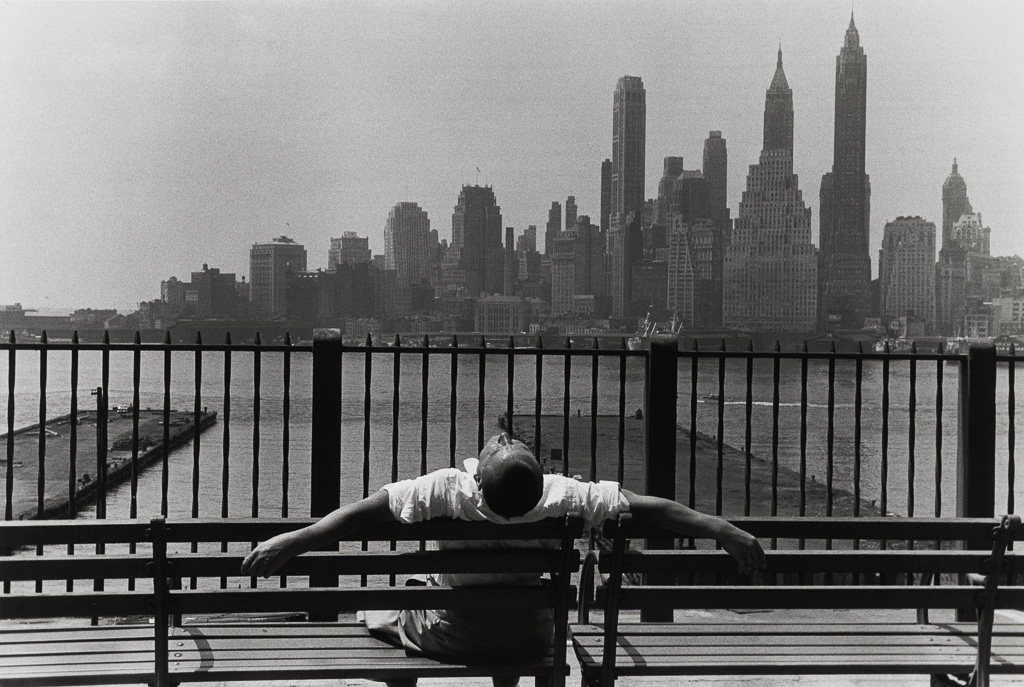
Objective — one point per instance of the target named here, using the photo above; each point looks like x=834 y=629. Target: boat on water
x=649 y=327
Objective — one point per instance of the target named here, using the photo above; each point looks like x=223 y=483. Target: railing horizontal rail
x=808 y=561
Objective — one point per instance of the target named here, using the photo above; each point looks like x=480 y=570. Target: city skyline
x=144 y=140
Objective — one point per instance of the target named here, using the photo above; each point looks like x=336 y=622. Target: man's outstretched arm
x=269 y=556
x=687 y=522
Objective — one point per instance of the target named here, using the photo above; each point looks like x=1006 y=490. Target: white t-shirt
x=453 y=493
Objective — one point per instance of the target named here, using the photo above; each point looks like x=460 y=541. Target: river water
x=907 y=434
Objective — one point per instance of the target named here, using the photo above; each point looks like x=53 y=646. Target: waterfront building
x=506 y=314
x=212 y=294
x=349 y=249
x=1007 y=316
x=629 y=136
x=680 y=293
x=269 y=267
x=770 y=273
x=407 y=245
x=563 y=272
x=649 y=287
x=906 y=269
x=606 y=194
x=474 y=262
x=844 y=269
x=172 y=293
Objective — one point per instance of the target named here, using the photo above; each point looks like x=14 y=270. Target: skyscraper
x=844 y=269
x=474 y=262
x=716 y=171
x=553 y=226
x=955 y=203
x=407 y=245
x=570 y=213
x=270 y=264
x=770 y=273
x=606 y=194
x=906 y=274
x=349 y=249
x=629 y=136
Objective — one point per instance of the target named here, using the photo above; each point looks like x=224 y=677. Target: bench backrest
x=74 y=573
x=703 y=579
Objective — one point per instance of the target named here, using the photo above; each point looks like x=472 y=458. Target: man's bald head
x=510 y=477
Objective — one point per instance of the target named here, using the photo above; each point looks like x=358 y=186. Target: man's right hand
x=269 y=556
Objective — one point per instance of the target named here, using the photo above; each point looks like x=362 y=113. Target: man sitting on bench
x=506 y=484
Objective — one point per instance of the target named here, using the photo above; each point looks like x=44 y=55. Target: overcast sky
x=140 y=140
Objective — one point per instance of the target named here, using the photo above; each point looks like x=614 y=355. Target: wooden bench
x=188 y=616
x=771 y=634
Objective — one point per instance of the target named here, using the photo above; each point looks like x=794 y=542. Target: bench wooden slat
x=796 y=628
x=361 y=563
x=860 y=561
x=259 y=529
x=351 y=599
x=86 y=605
x=63 y=567
x=16 y=533
x=875 y=528
x=797 y=597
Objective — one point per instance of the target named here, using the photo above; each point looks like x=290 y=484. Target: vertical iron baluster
x=622 y=411
x=9 y=479
x=857 y=413
x=1011 y=438
x=720 y=467
x=593 y=415
x=883 y=498
x=257 y=380
x=41 y=483
x=776 y=382
x=911 y=432
x=803 y=433
x=694 y=365
x=395 y=383
x=453 y=402
x=747 y=472
x=133 y=506
x=41 y=472
x=73 y=448
x=197 y=417
x=136 y=381
x=165 y=475
x=480 y=400
x=831 y=435
x=939 y=365
x=367 y=383
x=226 y=446
x=101 y=467
x=510 y=384
x=425 y=377
x=286 y=416
x=566 y=378
x=539 y=369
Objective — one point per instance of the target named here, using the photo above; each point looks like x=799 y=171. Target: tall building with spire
x=770 y=272
x=844 y=269
x=629 y=141
x=955 y=203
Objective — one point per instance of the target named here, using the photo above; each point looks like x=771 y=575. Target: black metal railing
x=891 y=428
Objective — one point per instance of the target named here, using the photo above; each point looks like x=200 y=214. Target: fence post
x=660 y=443
x=325 y=450
x=976 y=459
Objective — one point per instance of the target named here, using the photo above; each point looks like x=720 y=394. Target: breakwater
x=71 y=456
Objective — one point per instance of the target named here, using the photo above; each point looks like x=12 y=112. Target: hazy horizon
x=141 y=140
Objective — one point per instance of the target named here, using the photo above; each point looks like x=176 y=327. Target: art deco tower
x=475 y=261
x=845 y=259
x=955 y=203
x=770 y=272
